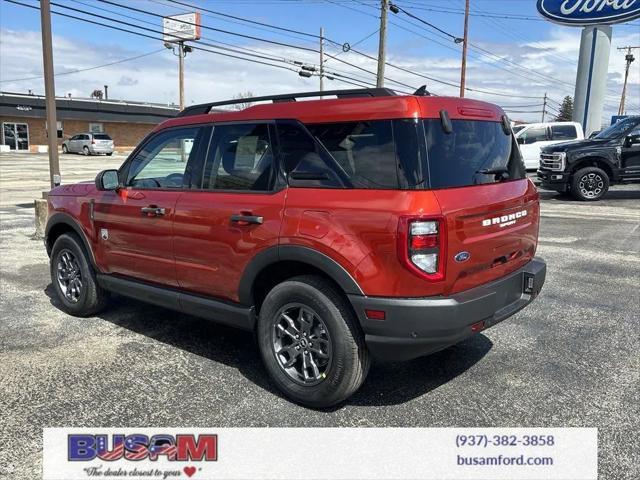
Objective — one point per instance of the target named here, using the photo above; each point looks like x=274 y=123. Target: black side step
x=200 y=306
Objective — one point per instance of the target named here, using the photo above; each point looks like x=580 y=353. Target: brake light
x=421 y=246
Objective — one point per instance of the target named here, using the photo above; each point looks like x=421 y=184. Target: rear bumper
x=100 y=149
x=415 y=327
x=553 y=180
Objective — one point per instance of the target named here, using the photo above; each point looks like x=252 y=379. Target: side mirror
x=107 y=180
x=520 y=140
x=633 y=140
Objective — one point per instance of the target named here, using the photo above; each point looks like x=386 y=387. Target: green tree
x=566 y=110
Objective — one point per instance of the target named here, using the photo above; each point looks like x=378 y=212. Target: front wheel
x=589 y=184
x=74 y=279
x=65 y=149
x=311 y=343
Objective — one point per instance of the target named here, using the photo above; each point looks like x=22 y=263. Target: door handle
x=152 y=211
x=241 y=219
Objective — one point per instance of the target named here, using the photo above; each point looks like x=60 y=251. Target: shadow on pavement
x=611 y=195
x=386 y=384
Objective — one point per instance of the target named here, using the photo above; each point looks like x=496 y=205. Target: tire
x=109 y=154
x=333 y=331
x=65 y=150
x=70 y=263
x=589 y=184
x=86 y=151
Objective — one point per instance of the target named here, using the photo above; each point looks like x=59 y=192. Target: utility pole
x=629 y=59
x=181 y=54
x=321 y=59
x=50 y=93
x=544 y=106
x=465 y=40
x=382 y=43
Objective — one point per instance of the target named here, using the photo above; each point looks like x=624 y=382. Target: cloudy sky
x=515 y=56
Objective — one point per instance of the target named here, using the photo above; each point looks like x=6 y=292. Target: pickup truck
x=534 y=136
x=586 y=169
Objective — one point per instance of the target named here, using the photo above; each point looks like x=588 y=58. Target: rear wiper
x=501 y=173
x=494 y=171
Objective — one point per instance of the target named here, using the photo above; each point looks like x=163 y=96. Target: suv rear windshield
x=101 y=136
x=475 y=152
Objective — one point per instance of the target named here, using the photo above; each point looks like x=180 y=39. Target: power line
x=86 y=69
x=246 y=36
x=342 y=78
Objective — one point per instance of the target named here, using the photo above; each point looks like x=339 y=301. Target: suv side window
x=364 y=150
x=533 y=135
x=166 y=160
x=563 y=132
x=240 y=158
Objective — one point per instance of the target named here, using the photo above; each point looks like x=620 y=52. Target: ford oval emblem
x=462 y=257
x=589 y=12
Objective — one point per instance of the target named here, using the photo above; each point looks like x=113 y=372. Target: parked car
x=535 y=136
x=586 y=169
x=338 y=230
x=89 y=144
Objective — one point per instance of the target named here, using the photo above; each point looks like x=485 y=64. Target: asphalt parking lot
x=572 y=359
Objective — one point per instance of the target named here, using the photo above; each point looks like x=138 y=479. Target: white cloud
x=213 y=77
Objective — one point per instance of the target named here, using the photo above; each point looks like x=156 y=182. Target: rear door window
x=240 y=158
x=563 y=132
x=476 y=152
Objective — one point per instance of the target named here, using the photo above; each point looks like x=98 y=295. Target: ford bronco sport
x=338 y=229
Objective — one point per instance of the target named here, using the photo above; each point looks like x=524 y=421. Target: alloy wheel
x=591 y=185
x=301 y=344
x=69 y=276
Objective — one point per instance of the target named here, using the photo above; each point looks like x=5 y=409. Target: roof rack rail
x=289 y=97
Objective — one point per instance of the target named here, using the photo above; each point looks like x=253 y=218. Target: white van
x=533 y=136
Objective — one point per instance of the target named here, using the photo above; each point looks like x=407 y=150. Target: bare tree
x=240 y=96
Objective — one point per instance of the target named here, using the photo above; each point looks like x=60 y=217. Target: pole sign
x=589 y=12
x=179 y=28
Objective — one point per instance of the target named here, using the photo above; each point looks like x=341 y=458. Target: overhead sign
x=179 y=28
x=589 y=12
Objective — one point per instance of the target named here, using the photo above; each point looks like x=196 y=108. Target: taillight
x=421 y=245
x=93 y=141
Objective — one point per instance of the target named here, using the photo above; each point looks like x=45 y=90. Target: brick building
x=23 y=125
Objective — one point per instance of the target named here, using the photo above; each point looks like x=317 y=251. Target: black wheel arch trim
x=297 y=253
x=66 y=219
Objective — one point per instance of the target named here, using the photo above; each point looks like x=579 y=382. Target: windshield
x=619 y=129
x=476 y=152
x=101 y=136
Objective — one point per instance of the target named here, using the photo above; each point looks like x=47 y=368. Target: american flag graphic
x=102 y=447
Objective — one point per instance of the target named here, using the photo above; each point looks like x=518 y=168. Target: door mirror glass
x=108 y=180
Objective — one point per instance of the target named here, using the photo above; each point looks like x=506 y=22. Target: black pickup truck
x=587 y=168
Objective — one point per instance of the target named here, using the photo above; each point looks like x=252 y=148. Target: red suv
x=338 y=230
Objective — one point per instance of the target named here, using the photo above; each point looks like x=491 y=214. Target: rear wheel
x=74 y=279
x=109 y=154
x=311 y=343
x=589 y=184
x=85 y=150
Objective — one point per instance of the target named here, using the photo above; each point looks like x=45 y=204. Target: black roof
x=33 y=106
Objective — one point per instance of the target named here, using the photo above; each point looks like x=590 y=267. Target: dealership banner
x=320 y=453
